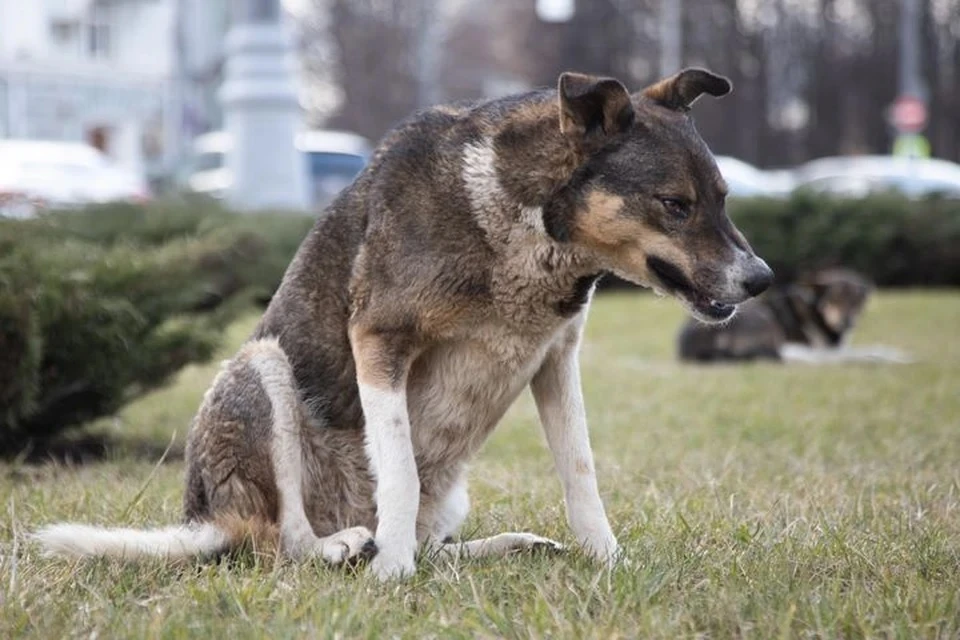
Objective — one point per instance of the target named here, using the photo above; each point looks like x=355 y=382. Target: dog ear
x=592 y=107
x=680 y=91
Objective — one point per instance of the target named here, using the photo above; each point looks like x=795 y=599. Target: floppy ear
x=591 y=106
x=682 y=90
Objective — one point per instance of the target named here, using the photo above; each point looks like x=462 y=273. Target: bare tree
x=812 y=77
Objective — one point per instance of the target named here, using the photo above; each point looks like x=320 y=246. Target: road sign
x=911 y=145
x=908 y=114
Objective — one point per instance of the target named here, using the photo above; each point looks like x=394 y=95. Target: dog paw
x=392 y=566
x=891 y=354
x=349 y=546
x=530 y=542
x=606 y=551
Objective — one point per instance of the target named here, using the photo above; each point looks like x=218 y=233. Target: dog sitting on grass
x=808 y=321
x=453 y=273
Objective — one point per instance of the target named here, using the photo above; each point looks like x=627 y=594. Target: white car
x=39 y=174
x=747 y=181
x=334 y=158
x=858 y=176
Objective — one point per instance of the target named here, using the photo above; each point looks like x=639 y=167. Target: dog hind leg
x=449 y=518
x=498 y=546
x=297 y=537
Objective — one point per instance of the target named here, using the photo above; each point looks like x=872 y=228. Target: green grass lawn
x=757 y=501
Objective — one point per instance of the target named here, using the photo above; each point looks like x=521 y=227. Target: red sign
x=908 y=114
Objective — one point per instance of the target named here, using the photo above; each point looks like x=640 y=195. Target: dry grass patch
x=758 y=501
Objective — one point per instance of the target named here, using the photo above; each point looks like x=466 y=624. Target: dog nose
x=760 y=278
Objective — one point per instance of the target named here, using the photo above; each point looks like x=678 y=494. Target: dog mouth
x=702 y=306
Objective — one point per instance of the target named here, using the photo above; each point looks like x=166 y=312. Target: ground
x=756 y=501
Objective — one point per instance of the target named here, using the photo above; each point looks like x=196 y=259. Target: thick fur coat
x=455 y=272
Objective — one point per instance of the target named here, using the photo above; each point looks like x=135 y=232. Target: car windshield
x=58 y=167
x=208 y=160
x=340 y=165
x=860 y=185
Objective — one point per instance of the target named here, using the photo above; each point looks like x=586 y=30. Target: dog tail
x=175 y=543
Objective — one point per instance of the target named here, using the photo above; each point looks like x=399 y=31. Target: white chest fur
x=458 y=391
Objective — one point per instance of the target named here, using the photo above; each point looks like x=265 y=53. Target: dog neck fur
x=510 y=173
x=490 y=202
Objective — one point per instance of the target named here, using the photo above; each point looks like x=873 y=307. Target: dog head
x=838 y=296
x=647 y=199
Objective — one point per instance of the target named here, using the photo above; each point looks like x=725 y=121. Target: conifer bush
x=101 y=305
x=889 y=238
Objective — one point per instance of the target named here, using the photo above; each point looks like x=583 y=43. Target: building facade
x=135 y=78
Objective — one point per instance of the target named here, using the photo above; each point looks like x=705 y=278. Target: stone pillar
x=262 y=111
x=127 y=147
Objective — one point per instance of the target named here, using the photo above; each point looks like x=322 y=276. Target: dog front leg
x=382 y=366
x=559 y=397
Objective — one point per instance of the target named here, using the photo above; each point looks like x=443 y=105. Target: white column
x=262 y=116
x=127 y=149
x=17 y=106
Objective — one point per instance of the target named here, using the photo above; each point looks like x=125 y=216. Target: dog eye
x=675 y=207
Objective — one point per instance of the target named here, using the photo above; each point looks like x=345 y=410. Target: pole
x=910 y=80
x=262 y=111
x=671 y=37
x=175 y=141
x=910 y=143
x=429 y=34
x=253 y=11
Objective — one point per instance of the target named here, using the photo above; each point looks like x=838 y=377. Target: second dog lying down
x=807 y=321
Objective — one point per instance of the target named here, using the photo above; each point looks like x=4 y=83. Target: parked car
x=39 y=174
x=857 y=176
x=747 y=181
x=334 y=158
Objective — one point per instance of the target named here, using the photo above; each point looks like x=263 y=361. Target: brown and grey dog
x=808 y=321
x=454 y=272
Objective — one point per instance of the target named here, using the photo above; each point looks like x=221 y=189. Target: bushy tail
x=173 y=543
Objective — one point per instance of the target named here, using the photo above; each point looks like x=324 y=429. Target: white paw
x=529 y=542
x=890 y=354
x=349 y=545
x=605 y=550
x=392 y=566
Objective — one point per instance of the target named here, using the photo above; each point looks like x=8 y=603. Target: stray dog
x=456 y=270
x=807 y=321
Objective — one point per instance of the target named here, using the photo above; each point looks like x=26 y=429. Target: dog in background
x=809 y=320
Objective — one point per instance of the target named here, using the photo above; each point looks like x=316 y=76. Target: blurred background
x=142 y=81
x=133 y=132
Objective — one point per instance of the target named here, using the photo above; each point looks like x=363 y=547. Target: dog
x=455 y=271
x=808 y=321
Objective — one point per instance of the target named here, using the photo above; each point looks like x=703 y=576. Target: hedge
x=99 y=306
x=892 y=240
x=277 y=234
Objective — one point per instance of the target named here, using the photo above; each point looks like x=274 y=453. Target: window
x=208 y=160
x=62 y=32
x=98 y=39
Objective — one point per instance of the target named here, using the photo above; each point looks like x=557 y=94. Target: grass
x=759 y=501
